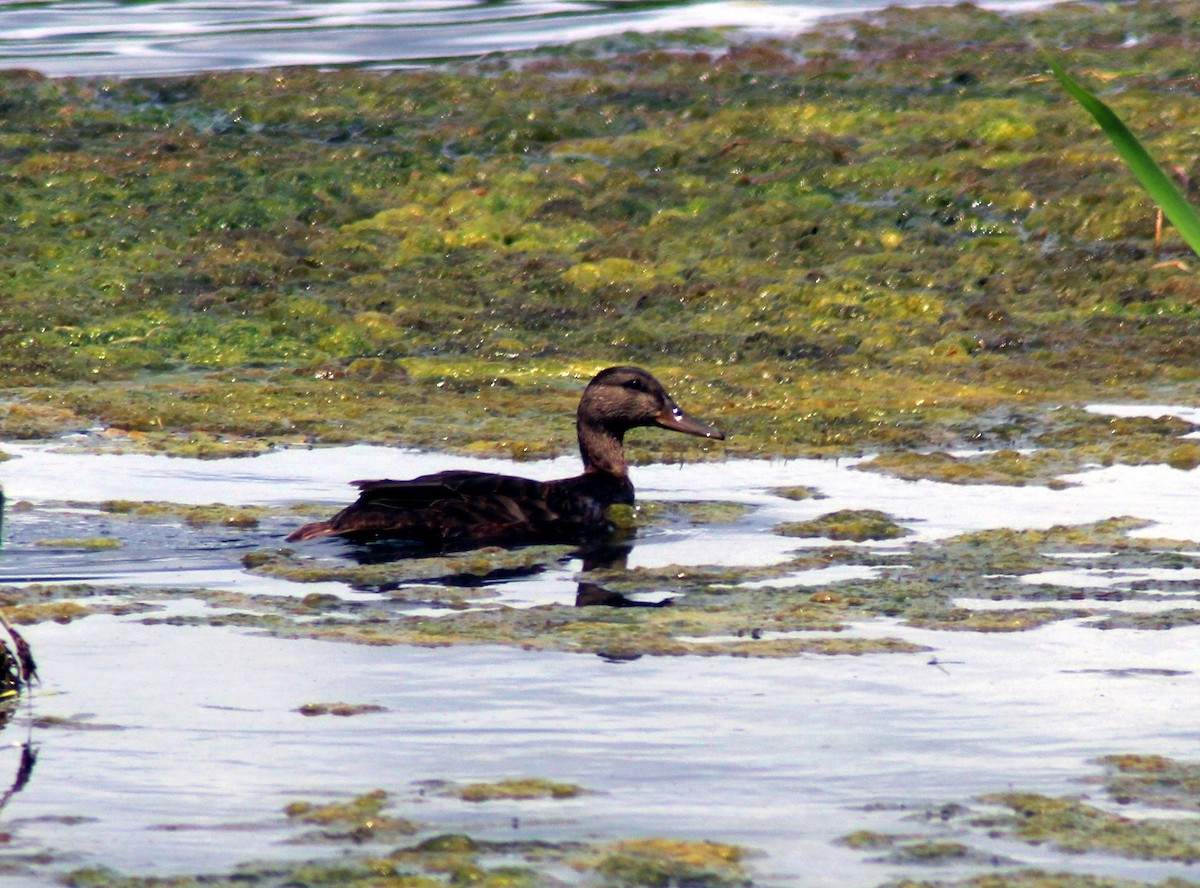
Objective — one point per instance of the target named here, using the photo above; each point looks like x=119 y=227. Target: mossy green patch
x=523 y=788
x=657 y=863
x=1152 y=780
x=360 y=819
x=83 y=544
x=915 y=252
x=1156 y=832
x=1066 y=440
x=197 y=516
x=854 y=525
x=1074 y=826
x=798 y=493
x=690 y=512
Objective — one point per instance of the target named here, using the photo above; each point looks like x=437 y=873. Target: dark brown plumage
x=454 y=508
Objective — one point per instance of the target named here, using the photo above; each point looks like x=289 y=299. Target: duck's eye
x=635 y=385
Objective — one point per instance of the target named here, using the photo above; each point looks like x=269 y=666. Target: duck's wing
x=445 y=507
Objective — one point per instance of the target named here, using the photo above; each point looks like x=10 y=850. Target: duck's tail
x=310 y=532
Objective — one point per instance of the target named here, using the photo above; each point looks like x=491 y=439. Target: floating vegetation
x=798 y=493
x=1153 y=780
x=83 y=544
x=671 y=862
x=441 y=859
x=1069 y=824
x=339 y=709
x=853 y=525
x=525 y=788
x=359 y=820
x=206 y=515
x=690 y=512
x=926 y=252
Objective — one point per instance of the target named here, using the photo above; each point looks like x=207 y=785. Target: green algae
x=82 y=544
x=854 y=525
x=442 y=859
x=868 y=238
x=799 y=492
x=1074 y=826
x=360 y=819
x=32 y=603
x=523 y=788
x=1152 y=780
x=1156 y=785
x=196 y=516
x=693 y=513
x=1067 y=440
x=658 y=863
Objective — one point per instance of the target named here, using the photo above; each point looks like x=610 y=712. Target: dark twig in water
x=24 y=772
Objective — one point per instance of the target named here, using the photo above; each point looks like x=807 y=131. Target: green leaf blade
x=1156 y=182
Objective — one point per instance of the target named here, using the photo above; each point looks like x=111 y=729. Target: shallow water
x=129 y=39
x=179 y=733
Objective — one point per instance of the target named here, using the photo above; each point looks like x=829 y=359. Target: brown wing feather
x=443 y=507
x=458 y=506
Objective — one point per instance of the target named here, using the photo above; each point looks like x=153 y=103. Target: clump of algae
x=1074 y=826
x=670 y=862
x=1154 y=783
x=424 y=856
x=854 y=525
x=360 y=819
x=196 y=516
x=517 y=789
x=83 y=544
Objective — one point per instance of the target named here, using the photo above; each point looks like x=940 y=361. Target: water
x=129 y=39
x=184 y=744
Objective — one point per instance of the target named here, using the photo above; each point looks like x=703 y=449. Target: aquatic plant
x=832 y=256
x=1156 y=182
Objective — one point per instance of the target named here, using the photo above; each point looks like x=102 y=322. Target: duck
x=457 y=508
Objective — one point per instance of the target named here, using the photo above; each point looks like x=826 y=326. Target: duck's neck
x=602 y=449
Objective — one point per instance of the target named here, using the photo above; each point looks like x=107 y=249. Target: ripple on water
x=190 y=36
x=788 y=754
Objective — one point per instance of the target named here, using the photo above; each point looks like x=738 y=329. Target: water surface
x=184 y=744
x=128 y=39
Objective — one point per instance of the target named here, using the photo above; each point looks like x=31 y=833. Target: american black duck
x=456 y=508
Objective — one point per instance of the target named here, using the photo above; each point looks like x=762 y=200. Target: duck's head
x=622 y=398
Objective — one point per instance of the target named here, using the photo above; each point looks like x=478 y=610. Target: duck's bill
x=677 y=421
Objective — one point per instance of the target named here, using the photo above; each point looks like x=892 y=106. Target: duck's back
x=457 y=507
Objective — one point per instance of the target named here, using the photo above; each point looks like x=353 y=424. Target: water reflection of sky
x=185 y=36
x=787 y=755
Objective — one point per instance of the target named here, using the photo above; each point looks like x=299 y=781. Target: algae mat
x=886 y=235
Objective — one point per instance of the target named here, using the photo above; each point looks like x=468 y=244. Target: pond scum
x=891 y=235
x=894 y=236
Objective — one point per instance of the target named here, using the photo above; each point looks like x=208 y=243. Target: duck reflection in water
x=456 y=510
